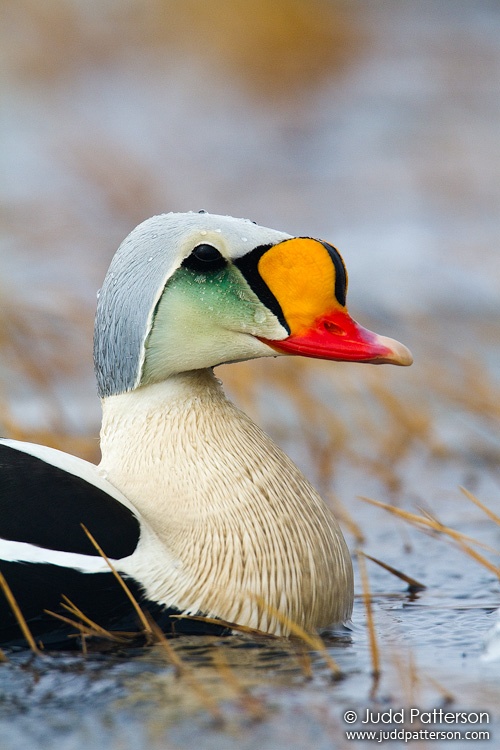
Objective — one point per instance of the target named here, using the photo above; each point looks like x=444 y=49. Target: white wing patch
x=11 y=551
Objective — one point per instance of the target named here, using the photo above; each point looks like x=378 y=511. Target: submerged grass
x=372 y=431
x=313 y=641
x=188 y=674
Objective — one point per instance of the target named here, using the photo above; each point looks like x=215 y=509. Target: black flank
x=37 y=587
x=44 y=505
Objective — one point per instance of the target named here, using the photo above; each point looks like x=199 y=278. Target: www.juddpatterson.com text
x=416 y=716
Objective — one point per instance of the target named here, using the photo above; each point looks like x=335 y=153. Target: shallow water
x=393 y=156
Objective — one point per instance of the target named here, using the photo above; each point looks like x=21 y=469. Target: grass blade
x=413 y=584
x=142 y=617
x=370 y=624
x=18 y=615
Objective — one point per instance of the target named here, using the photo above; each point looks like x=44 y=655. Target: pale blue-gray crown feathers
x=135 y=281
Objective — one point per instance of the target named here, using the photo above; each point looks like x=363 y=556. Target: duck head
x=187 y=291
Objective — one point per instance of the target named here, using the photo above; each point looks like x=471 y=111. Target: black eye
x=207 y=253
x=205 y=259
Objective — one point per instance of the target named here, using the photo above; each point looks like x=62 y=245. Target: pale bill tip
x=397 y=353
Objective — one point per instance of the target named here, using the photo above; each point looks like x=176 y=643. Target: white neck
x=231 y=508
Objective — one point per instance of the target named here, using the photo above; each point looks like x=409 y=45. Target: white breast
x=233 y=511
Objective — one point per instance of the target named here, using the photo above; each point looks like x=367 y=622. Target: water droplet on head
x=259 y=316
x=150 y=259
x=154 y=236
x=203 y=232
x=218 y=230
x=244 y=239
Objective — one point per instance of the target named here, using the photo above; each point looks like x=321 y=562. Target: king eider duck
x=195 y=506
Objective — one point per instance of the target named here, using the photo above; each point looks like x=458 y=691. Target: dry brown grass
x=41 y=351
x=300 y=638
x=471 y=386
x=341 y=416
x=310 y=639
x=21 y=620
x=370 y=623
x=368 y=420
x=140 y=614
x=429 y=523
x=275 y=49
x=491 y=515
x=413 y=584
x=375 y=429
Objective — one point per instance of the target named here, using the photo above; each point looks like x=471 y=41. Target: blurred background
x=373 y=125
